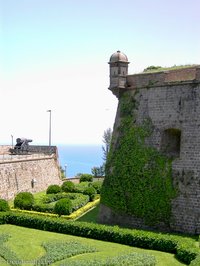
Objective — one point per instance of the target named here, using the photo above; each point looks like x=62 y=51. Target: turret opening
x=171 y=142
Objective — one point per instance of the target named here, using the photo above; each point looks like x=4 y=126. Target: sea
x=79 y=158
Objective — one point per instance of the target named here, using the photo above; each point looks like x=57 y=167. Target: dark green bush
x=97 y=185
x=53 y=189
x=63 y=207
x=68 y=186
x=91 y=192
x=86 y=177
x=24 y=201
x=4 y=206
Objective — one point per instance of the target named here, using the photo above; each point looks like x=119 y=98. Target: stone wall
x=190 y=74
x=4 y=149
x=172 y=101
x=31 y=173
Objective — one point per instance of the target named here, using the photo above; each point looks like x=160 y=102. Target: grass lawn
x=27 y=245
x=90 y=216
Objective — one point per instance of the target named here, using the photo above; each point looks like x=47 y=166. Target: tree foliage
x=107 y=137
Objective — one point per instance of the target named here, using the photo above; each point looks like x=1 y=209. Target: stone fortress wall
x=33 y=173
x=171 y=99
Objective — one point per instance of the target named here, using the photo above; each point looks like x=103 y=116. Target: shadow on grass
x=90 y=216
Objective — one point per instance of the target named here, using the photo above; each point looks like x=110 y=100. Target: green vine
x=138 y=178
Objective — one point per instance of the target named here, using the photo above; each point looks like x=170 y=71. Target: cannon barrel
x=22 y=140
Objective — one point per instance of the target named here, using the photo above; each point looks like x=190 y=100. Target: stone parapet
x=163 y=78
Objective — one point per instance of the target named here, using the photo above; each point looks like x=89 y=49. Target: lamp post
x=65 y=170
x=12 y=140
x=49 y=127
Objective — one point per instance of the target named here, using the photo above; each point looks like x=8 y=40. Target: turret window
x=171 y=142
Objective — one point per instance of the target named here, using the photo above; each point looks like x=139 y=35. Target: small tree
x=107 y=137
x=62 y=172
x=98 y=171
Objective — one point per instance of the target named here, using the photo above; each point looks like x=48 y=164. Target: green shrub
x=63 y=207
x=184 y=247
x=91 y=192
x=68 y=186
x=53 y=189
x=4 y=206
x=86 y=177
x=97 y=185
x=24 y=201
x=81 y=186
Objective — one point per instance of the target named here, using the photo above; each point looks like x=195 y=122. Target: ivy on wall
x=138 y=178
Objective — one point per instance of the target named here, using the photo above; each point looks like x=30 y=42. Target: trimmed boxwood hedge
x=183 y=247
x=47 y=205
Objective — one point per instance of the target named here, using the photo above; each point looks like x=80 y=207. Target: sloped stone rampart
x=171 y=100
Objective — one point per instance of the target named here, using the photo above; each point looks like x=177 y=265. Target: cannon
x=21 y=147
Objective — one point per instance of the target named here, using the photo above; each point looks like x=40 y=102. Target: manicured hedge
x=78 y=200
x=183 y=247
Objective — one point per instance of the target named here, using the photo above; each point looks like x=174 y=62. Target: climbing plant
x=138 y=177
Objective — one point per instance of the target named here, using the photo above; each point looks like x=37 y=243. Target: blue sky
x=54 y=55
